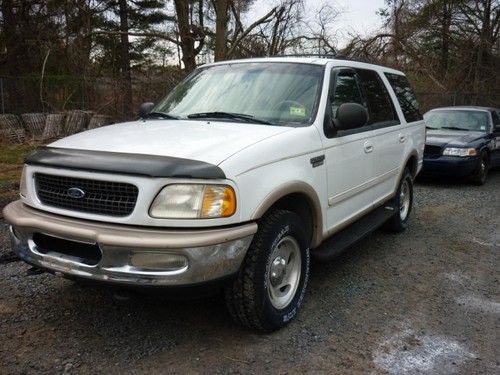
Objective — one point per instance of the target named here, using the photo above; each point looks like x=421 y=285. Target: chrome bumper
x=130 y=254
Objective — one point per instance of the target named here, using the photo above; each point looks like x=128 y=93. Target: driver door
x=348 y=154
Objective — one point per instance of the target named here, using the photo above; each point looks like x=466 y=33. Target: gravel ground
x=425 y=301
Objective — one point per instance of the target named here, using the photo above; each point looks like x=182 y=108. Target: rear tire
x=481 y=173
x=271 y=283
x=403 y=204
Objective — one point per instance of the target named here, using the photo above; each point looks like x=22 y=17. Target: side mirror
x=351 y=116
x=145 y=108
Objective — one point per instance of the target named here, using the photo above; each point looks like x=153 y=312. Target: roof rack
x=327 y=56
x=318 y=55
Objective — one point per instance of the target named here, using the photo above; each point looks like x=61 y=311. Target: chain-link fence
x=429 y=100
x=105 y=95
x=56 y=93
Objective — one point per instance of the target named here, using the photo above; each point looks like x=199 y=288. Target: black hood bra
x=123 y=163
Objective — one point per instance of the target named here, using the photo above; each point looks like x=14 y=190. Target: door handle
x=368 y=147
x=402 y=138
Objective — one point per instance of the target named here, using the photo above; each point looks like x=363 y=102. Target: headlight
x=191 y=201
x=454 y=151
x=23 y=191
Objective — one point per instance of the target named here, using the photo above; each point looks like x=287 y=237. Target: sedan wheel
x=479 y=177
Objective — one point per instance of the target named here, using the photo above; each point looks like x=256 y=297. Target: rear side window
x=406 y=97
x=379 y=103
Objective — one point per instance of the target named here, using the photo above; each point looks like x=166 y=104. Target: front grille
x=431 y=150
x=99 y=197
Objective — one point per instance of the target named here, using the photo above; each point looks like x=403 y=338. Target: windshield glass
x=278 y=93
x=457 y=120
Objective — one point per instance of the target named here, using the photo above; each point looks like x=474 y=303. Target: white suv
x=240 y=174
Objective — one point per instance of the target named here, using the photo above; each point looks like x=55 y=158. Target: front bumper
x=209 y=254
x=450 y=166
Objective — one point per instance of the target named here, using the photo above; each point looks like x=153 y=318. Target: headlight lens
x=191 y=201
x=23 y=191
x=455 y=151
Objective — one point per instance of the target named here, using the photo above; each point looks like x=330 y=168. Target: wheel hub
x=404 y=200
x=278 y=270
x=283 y=276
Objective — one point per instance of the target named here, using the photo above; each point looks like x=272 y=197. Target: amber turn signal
x=218 y=201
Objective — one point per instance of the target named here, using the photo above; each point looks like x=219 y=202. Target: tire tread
x=240 y=295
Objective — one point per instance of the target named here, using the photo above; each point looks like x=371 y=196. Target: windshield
x=276 y=93
x=457 y=120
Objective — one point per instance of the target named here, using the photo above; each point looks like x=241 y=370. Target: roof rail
x=319 y=55
x=328 y=56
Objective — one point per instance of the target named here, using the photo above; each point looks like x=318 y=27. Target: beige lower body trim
x=20 y=215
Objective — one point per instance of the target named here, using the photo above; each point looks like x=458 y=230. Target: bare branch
x=264 y=19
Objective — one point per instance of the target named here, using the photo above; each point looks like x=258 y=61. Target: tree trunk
x=397 y=22
x=273 y=48
x=222 y=18
x=484 y=48
x=11 y=53
x=125 y=60
x=186 y=39
x=445 y=36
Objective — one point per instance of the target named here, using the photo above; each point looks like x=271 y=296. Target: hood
x=458 y=138
x=208 y=141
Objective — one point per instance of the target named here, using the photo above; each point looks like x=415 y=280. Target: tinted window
x=406 y=97
x=496 y=119
x=346 y=91
x=379 y=103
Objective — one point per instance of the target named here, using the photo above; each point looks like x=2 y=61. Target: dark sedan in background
x=462 y=142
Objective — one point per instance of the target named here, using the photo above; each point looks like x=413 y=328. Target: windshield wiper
x=229 y=115
x=430 y=127
x=161 y=114
x=453 y=128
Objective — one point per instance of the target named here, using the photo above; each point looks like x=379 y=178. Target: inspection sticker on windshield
x=298 y=111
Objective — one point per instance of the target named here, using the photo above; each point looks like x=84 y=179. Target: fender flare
x=414 y=154
x=296 y=187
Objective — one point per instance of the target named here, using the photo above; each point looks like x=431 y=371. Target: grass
x=11 y=165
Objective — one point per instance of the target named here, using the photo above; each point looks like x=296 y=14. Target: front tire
x=403 y=204
x=271 y=283
x=479 y=176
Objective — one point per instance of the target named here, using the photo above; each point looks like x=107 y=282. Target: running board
x=340 y=241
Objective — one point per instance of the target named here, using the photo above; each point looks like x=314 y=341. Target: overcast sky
x=357 y=16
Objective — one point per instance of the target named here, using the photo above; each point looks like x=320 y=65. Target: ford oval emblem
x=75 y=192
